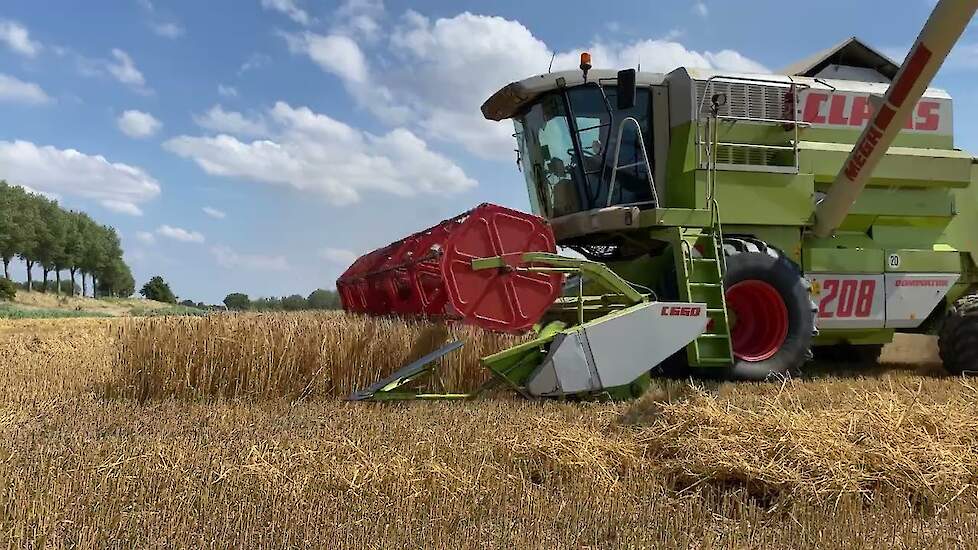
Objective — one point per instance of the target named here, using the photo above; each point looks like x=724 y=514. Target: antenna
x=551 y=66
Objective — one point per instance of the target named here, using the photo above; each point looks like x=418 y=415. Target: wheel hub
x=759 y=320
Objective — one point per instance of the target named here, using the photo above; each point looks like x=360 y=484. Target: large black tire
x=958 y=339
x=751 y=260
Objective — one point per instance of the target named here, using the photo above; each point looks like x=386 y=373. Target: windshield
x=561 y=181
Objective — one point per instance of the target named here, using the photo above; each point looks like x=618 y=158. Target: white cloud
x=289 y=8
x=338 y=256
x=18 y=39
x=117 y=186
x=443 y=70
x=137 y=124
x=179 y=234
x=361 y=18
x=231 y=122
x=145 y=237
x=309 y=151
x=18 y=91
x=335 y=53
x=254 y=61
x=124 y=70
x=700 y=9
x=214 y=212
x=228 y=258
x=227 y=91
x=167 y=30
x=734 y=61
x=122 y=207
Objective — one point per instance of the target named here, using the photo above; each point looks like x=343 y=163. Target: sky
x=261 y=145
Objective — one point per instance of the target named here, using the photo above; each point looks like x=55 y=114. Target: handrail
x=796 y=124
x=645 y=160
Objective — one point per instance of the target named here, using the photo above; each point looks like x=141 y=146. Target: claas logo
x=681 y=311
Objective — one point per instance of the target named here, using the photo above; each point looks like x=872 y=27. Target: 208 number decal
x=847 y=298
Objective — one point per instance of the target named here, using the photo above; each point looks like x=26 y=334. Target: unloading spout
x=942 y=30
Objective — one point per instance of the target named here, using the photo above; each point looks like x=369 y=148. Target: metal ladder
x=699 y=273
x=700 y=269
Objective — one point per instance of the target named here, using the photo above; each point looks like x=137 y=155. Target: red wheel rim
x=761 y=320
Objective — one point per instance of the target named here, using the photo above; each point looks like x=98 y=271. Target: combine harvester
x=720 y=232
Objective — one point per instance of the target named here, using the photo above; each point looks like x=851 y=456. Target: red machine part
x=430 y=273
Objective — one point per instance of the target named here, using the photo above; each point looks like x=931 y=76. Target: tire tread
x=958 y=339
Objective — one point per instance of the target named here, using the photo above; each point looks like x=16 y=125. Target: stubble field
x=229 y=431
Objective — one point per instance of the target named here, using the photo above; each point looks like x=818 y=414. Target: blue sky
x=260 y=145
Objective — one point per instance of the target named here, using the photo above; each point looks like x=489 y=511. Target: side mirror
x=626 y=89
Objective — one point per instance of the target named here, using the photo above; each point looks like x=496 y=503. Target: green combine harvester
x=725 y=224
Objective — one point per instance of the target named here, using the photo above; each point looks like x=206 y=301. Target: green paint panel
x=681 y=190
x=903 y=139
x=854 y=336
x=922 y=203
x=905 y=236
x=761 y=198
x=900 y=166
x=962 y=232
x=843 y=260
x=675 y=217
x=924 y=261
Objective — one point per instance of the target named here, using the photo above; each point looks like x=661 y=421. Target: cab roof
x=852 y=52
x=509 y=100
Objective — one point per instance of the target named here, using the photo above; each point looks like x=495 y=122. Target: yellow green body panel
x=920 y=204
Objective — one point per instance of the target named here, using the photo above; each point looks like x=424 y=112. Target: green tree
x=12 y=224
x=237 y=301
x=43 y=234
x=61 y=256
x=109 y=258
x=116 y=279
x=34 y=234
x=267 y=304
x=51 y=240
x=294 y=302
x=95 y=254
x=158 y=289
x=126 y=284
x=8 y=291
x=76 y=244
x=323 y=299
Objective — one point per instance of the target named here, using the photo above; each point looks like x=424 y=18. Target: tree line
x=41 y=233
x=318 y=299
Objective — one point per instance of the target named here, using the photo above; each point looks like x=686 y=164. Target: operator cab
x=583 y=143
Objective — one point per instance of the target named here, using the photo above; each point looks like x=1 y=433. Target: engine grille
x=746 y=100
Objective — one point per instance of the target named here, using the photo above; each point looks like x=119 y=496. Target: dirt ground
x=911 y=349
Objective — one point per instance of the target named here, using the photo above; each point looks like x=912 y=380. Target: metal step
x=701 y=279
x=714 y=361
